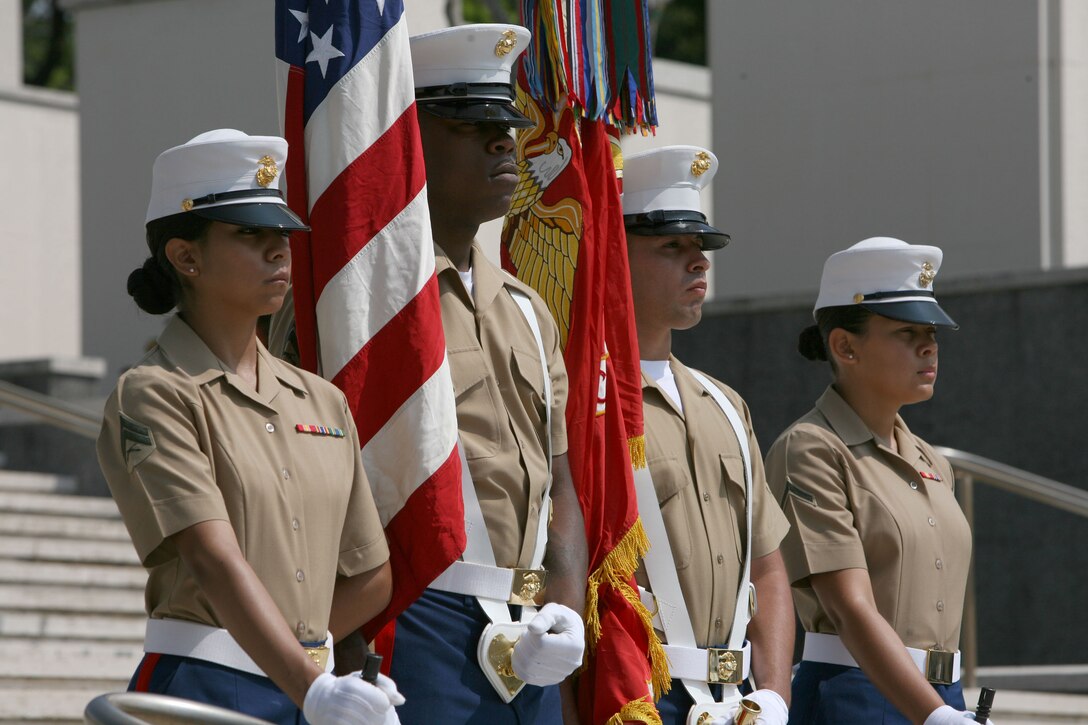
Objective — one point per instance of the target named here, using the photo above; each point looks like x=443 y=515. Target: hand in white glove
x=551 y=647
x=774 y=710
x=948 y=715
x=351 y=700
x=386 y=685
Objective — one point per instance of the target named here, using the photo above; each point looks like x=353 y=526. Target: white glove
x=351 y=700
x=948 y=715
x=551 y=647
x=386 y=685
x=774 y=707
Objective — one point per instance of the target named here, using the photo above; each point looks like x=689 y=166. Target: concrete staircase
x=71 y=600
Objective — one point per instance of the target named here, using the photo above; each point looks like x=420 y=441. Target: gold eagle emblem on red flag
x=544 y=237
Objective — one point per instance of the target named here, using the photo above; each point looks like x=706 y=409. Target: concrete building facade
x=960 y=124
x=40 y=276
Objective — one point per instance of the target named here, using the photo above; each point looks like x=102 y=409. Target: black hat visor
x=478 y=111
x=473 y=102
x=916 y=311
x=667 y=223
x=256 y=214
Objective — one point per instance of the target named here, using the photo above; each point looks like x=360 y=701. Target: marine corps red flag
x=365 y=293
x=564 y=236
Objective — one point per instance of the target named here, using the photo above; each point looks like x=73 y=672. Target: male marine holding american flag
x=461 y=654
x=365 y=306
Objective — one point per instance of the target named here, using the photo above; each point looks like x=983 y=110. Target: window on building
x=47 y=45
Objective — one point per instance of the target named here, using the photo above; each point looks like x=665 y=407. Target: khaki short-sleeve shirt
x=184 y=441
x=499 y=387
x=698 y=472
x=854 y=503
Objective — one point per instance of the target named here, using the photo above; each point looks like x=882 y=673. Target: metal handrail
x=970 y=468
x=141 y=708
x=1021 y=483
x=51 y=410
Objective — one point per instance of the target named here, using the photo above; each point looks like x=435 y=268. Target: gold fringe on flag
x=616 y=569
x=636 y=711
x=637 y=448
x=618 y=565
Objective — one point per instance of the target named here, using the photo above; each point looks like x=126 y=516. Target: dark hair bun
x=152 y=288
x=810 y=343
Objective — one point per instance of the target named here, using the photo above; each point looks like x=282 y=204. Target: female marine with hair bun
x=238 y=476
x=878 y=550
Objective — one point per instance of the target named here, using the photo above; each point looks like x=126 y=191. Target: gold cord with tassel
x=636 y=711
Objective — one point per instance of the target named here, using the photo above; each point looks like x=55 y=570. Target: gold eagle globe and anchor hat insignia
x=507 y=43
x=662 y=193
x=268 y=171
x=224 y=175
x=887 y=277
x=467 y=72
x=702 y=164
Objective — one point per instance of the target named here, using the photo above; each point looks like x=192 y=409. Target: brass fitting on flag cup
x=747 y=713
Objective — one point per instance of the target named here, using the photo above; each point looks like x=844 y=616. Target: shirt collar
x=190 y=353
x=184 y=348
x=486 y=279
x=853 y=431
x=683 y=384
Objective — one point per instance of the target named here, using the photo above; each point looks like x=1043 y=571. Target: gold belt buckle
x=939 y=666
x=527 y=585
x=724 y=666
x=320 y=655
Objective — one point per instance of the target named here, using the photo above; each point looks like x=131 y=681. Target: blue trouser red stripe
x=144 y=672
x=213 y=684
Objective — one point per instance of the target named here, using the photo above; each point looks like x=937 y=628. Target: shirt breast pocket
x=529 y=376
x=477 y=407
x=330 y=473
x=673 y=485
x=735 y=490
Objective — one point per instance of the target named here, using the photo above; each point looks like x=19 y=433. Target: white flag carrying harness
x=695 y=667
x=477 y=573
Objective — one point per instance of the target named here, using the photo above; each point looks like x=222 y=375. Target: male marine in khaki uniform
x=505 y=395
x=693 y=454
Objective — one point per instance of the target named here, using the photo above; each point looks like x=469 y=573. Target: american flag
x=365 y=292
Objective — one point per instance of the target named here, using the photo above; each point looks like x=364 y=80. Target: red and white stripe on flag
x=365 y=292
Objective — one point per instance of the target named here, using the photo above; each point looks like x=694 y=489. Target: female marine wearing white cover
x=238 y=476
x=878 y=550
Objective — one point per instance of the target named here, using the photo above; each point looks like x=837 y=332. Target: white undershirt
x=661 y=373
x=466 y=278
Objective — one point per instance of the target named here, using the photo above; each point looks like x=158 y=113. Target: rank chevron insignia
x=137 y=443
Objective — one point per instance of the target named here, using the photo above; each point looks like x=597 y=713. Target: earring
x=192 y=270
